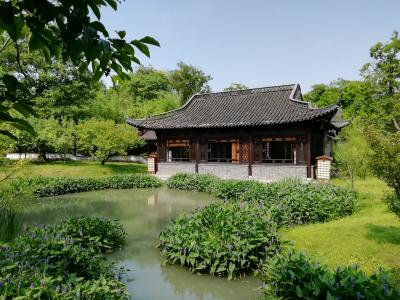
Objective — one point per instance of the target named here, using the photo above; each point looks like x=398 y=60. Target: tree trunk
x=42 y=152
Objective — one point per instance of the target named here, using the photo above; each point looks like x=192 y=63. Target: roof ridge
x=272 y=88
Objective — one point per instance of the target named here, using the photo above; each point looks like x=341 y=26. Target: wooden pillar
x=197 y=154
x=250 y=147
x=308 y=153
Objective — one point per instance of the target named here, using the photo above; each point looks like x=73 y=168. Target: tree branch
x=5 y=45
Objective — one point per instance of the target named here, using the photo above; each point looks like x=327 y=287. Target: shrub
x=189 y=182
x=290 y=201
x=222 y=239
x=63 y=261
x=294 y=275
x=67 y=185
x=393 y=201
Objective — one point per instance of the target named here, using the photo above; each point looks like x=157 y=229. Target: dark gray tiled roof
x=250 y=107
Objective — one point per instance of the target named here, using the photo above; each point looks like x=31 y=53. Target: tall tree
x=60 y=29
x=146 y=84
x=235 y=87
x=188 y=80
x=384 y=73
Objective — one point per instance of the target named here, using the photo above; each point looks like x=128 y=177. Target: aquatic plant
x=294 y=275
x=9 y=223
x=290 y=201
x=63 y=261
x=67 y=185
x=223 y=239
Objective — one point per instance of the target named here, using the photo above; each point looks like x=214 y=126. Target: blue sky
x=260 y=43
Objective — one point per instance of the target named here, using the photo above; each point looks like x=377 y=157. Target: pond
x=144 y=213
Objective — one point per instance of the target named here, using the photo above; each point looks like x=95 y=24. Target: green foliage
x=222 y=239
x=393 y=202
x=190 y=182
x=59 y=186
x=9 y=224
x=188 y=80
x=235 y=87
x=146 y=84
x=294 y=275
x=61 y=29
x=64 y=261
x=385 y=156
x=384 y=70
x=291 y=202
x=351 y=151
x=102 y=139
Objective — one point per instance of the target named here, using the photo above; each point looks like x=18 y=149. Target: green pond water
x=144 y=213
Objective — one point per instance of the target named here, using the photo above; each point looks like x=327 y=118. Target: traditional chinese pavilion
x=265 y=133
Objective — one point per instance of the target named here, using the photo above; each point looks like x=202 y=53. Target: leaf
x=7 y=133
x=10 y=82
x=121 y=34
x=142 y=47
x=112 y=3
x=149 y=40
x=99 y=27
x=95 y=9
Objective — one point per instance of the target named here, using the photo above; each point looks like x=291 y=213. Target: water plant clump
x=223 y=239
x=294 y=275
x=63 y=261
x=291 y=201
x=67 y=185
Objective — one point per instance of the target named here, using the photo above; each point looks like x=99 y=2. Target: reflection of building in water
x=152 y=200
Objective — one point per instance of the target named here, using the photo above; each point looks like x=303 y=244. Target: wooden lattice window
x=223 y=150
x=178 y=150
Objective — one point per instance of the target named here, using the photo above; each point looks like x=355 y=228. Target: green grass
x=369 y=238
x=70 y=169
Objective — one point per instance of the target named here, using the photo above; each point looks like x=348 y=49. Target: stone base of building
x=261 y=172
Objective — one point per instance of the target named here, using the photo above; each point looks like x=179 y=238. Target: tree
x=146 y=84
x=384 y=73
x=351 y=151
x=385 y=67
x=60 y=29
x=188 y=80
x=102 y=139
x=235 y=87
x=385 y=156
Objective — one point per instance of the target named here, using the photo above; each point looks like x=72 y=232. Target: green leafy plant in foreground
x=229 y=238
x=64 y=261
x=293 y=275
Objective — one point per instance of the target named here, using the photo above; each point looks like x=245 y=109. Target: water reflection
x=144 y=213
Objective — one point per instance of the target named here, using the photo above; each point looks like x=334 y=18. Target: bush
x=189 y=182
x=290 y=201
x=221 y=239
x=63 y=261
x=393 y=201
x=294 y=275
x=67 y=185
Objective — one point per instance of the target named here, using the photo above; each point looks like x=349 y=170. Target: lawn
x=370 y=238
x=70 y=169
